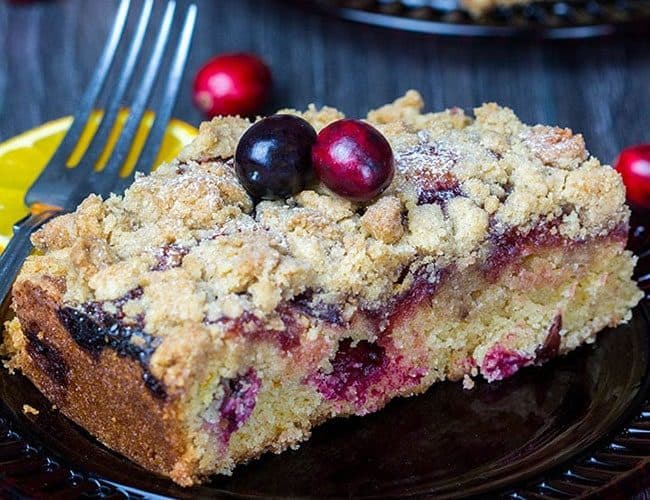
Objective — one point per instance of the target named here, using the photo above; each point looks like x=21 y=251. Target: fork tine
x=153 y=143
x=105 y=179
x=98 y=142
x=65 y=149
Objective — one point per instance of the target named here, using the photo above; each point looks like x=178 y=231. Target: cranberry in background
x=232 y=84
x=634 y=166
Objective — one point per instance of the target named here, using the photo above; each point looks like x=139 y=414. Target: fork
x=60 y=189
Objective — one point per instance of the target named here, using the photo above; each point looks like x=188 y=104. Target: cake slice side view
x=191 y=329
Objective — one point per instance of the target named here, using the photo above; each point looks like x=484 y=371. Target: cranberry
x=239 y=399
x=93 y=326
x=273 y=157
x=46 y=357
x=502 y=362
x=353 y=159
x=354 y=370
x=634 y=166
x=232 y=84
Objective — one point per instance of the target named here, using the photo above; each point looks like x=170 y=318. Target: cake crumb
x=468 y=383
x=55 y=407
x=383 y=220
x=30 y=410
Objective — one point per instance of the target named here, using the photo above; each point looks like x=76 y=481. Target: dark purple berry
x=354 y=370
x=273 y=157
x=239 y=399
x=353 y=159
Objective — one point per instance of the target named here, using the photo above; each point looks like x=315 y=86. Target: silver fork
x=60 y=189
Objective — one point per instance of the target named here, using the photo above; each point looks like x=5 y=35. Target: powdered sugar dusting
x=435 y=159
x=429 y=167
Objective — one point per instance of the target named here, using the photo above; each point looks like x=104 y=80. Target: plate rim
x=473 y=28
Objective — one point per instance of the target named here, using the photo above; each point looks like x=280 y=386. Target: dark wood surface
x=599 y=87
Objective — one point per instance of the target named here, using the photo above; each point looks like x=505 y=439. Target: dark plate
x=579 y=425
x=540 y=19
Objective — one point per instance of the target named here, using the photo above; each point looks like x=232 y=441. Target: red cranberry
x=353 y=159
x=354 y=370
x=273 y=157
x=502 y=362
x=232 y=84
x=634 y=166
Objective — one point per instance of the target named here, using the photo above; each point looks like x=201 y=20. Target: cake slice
x=191 y=329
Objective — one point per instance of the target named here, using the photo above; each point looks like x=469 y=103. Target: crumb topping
x=191 y=238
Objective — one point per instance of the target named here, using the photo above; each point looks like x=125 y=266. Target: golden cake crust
x=119 y=409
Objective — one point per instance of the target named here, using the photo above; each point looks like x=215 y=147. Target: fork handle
x=19 y=248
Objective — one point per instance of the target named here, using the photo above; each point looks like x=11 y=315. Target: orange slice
x=24 y=156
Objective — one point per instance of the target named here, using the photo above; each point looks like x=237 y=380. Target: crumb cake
x=191 y=329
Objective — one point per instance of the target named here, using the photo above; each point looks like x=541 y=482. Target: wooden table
x=599 y=87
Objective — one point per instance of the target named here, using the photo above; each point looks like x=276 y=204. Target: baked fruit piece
x=192 y=330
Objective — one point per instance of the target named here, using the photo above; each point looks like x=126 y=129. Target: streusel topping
x=193 y=240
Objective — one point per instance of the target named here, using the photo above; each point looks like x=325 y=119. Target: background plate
x=541 y=19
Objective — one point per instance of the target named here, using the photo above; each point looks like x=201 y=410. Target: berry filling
x=500 y=362
x=48 y=359
x=254 y=328
x=93 y=327
x=513 y=244
x=365 y=374
x=439 y=190
x=355 y=368
x=551 y=345
x=425 y=284
x=170 y=256
x=320 y=310
x=238 y=402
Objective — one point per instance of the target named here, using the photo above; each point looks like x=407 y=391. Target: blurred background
x=597 y=86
